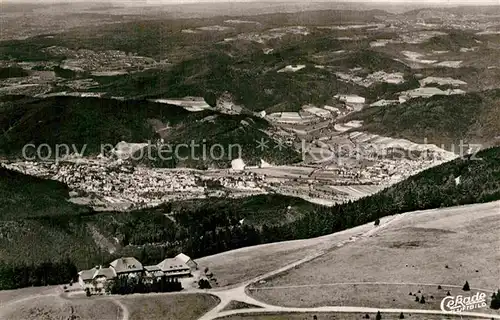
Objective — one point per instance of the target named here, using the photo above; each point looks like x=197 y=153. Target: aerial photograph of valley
x=249 y=159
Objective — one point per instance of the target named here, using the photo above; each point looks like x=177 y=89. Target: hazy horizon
x=166 y=2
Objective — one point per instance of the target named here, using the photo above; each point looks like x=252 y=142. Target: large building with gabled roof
x=127 y=266
x=95 y=279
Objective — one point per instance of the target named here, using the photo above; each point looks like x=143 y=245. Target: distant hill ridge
x=94 y=122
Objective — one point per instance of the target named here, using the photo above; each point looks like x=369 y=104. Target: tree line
x=14 y=276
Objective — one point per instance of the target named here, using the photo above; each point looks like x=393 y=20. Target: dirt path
x=125 y=311
x=239 y=292
x=361 y=310
x=366 y=283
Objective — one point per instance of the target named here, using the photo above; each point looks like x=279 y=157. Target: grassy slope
x=441 y=119
x=417 y=248
x=185 y=307
x=340 y=316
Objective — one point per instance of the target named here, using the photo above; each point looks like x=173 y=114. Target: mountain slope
x=201 y=228
x=473 y=118
x=24 y=196
x=94 y=123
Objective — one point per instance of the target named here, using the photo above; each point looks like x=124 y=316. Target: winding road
x=240 y=291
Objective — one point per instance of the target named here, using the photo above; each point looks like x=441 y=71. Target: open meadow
x=168 y=307
x=340 y=316
x=9 y=296
x=245 y=264
x=420 y=251
x=56 y=308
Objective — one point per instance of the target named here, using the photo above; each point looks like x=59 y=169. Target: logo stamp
x=461 y=303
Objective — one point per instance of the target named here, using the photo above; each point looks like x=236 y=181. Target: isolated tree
x=315 y=317
x=379 y=316
x=401 y=316
x=448 y=293
x=366 y=316
x=495 y=301
x=466 y=286
x=417 y=299
x=204 y=284
x=377 y=222
x=422 y=300
x=87 y=292
x=439 y=287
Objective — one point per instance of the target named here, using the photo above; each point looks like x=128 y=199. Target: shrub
x=204 y=284
x=466 y=286
x=495 y=301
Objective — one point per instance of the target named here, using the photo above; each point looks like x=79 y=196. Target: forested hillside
x=472 y=117
x=201 y=228
x=93 y=122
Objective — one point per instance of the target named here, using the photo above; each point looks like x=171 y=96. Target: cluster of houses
x=95 y=279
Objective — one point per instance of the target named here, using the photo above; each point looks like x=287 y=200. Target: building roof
x=184 y=258
x=86 y=275
x=108 y=273
x=127 y=264
x=152 y=268
x=172 y=264
x=154 y=271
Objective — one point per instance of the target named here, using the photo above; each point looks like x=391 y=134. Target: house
x=101 y=278
x=153 y=272
x=354 y=101
x=350 y=99
x=85 y=279
x=175 y=268
x=128 y=266
x=188 y=261
x=95 y=279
